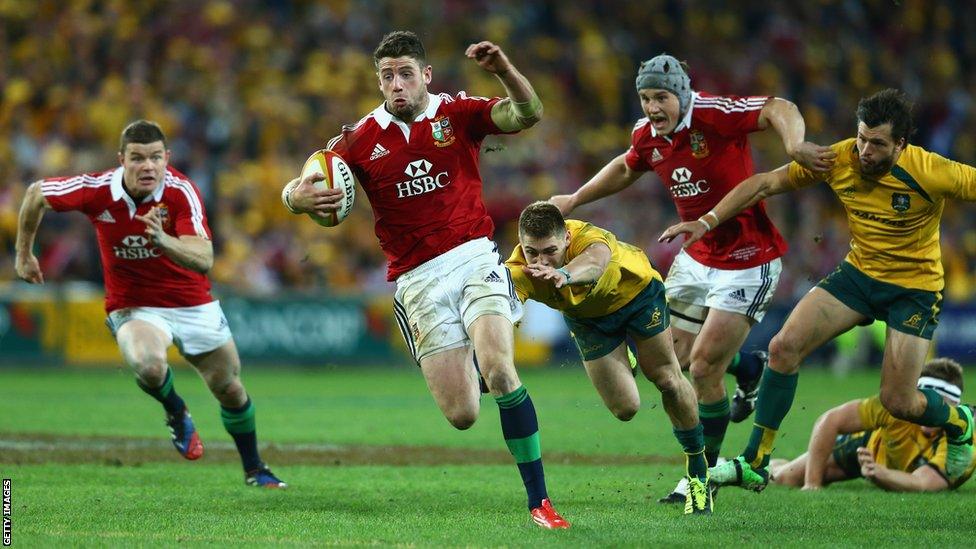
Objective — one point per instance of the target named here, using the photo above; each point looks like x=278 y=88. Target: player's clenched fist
x=489 y=57
x=29 y=269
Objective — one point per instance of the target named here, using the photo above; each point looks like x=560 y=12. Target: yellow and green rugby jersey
x=894 y=220
x=901 y=445
x=628 y=272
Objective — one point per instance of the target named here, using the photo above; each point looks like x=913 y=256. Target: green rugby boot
x=698 y=498
x=960 y=449
x=738 y=472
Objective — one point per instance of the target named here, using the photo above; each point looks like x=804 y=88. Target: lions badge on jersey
x=442 y=131
x=901 y=202
x=699 y=147
x=164 y=218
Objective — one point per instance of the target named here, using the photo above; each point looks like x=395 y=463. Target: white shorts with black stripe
x=693 y=288
x=437 y=301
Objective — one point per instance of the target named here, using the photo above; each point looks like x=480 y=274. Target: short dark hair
x=141 y=131
x=888 y=106
x=399 y=44
x=540 y=220
x=945 y=369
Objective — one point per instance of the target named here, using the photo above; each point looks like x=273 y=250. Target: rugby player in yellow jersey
x=894 y=194
x=862 y=439
x=607 y=290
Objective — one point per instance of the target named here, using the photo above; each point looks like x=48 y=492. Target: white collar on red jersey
x=685 y=122
x=118 y=193
x=383 y=116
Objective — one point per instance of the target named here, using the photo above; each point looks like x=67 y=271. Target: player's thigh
x=453 y=383
x=683 y=341
x=816 y=319
x=613 y=379
x=656 y=358
x=494 y=342
x=687 y=288
x=142 y=336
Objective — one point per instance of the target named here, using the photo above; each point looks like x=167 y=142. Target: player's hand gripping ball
x=338 y=175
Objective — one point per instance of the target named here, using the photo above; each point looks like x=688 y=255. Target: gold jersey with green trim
x=894 y=219
x=902 y=445
x=628 y=272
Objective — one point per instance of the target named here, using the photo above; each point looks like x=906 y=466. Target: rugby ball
x=338 y=175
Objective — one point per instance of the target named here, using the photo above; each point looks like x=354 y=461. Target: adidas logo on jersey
x=105 y=217
x=738 y=295
x=656 y=156
x=378 y=152
x=493 y=277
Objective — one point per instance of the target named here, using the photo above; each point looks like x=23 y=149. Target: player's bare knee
x=626 y=410
x=150 y=366
x=784 y=354
x=462 y=419
x=666 y=382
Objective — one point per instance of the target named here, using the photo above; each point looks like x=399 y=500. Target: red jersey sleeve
x=69 y=193
x=731 y=115
x=189 y=215
x=476 y=113
x=635 y=161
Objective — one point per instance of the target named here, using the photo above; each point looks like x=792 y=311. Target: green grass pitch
x=371 y=461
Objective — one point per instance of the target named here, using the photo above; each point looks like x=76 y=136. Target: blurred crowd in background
x=247 y=89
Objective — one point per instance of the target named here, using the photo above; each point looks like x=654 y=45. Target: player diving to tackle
x=607 y=290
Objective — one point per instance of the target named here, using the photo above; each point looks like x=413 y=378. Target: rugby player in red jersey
x=717 y=289
x=416 y=157
x=155 y=247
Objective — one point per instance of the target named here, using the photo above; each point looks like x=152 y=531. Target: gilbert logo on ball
x=338 y=175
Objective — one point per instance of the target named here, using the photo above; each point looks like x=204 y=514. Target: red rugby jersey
x=136 y=272
x=705 y=157
x=422 y=179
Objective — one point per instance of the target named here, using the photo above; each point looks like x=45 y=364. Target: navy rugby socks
x=520 y=427
x=165 y=394
x=240 y=423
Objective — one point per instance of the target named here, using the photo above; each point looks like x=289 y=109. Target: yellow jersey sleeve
x=627 y=273
x=514 y=264
x=799 y=177
x=873 y=414
x=954 y=179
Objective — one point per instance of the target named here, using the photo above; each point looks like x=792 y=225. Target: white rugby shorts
x=195 y=330
x=693 y=288
x=437 y=301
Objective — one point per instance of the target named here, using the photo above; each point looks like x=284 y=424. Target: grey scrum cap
x=665 y=72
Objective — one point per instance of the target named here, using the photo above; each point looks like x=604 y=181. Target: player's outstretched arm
x=301 y=196
x=31 y=212
x=585 y=268
x=612 y=178
x=923 y=479
x=522 y=108
x=843 y=419
x=193 y=252
x=744 y=195
x=786 y=119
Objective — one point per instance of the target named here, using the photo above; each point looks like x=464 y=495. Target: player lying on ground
x=862 y=439
x=698 y=145
x=894 y=194
x=416 y=157
x=607 y=290
x=156 y=250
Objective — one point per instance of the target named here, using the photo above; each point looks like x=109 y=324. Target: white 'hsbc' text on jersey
x=422 y=178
